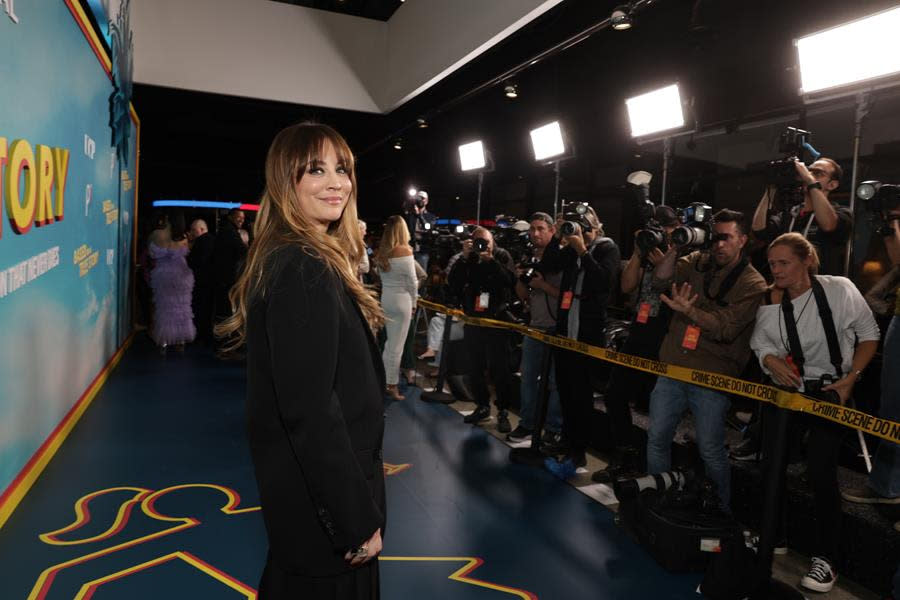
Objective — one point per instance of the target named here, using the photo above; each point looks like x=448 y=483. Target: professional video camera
x=696 y=231
x=880 y=200
x=795 y=145
x=575 y=216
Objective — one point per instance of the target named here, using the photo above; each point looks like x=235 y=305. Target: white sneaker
x=821 y=576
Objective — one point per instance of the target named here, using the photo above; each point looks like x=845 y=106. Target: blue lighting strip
x=206 y=204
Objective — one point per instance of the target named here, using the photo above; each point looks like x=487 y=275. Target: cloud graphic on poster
x=91 y=309
x=42 y=375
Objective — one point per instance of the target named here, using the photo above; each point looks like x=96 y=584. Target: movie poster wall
x=67 y=204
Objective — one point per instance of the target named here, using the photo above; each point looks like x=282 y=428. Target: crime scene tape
x=843 y=415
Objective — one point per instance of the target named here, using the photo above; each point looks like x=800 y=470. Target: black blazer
x=315 y=416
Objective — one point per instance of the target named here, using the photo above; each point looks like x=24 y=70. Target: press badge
x=482 y=302
x=643 y=312
x=567 y=300
x=691 y=337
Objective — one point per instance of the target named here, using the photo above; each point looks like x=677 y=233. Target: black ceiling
x=380 y=10
x=735 y=60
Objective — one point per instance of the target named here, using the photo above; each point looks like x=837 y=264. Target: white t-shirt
x=852 y=318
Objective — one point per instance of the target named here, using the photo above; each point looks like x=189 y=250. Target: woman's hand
x=782 y=373
x=843 y=387
x=373 y=548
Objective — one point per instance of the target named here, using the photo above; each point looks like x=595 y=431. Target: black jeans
x=488 y=349
x=822 y=452
x=576 y=396
x=644 y=340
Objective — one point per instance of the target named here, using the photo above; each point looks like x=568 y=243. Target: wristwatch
x=858 y=374
x=815 y=185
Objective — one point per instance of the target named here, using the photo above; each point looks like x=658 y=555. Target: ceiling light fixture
x=421 y=123
x=398 y=144
x=511 y=90
x=621 y=17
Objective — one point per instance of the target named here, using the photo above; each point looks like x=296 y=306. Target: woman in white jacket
x=794 y=262
x=399 y=293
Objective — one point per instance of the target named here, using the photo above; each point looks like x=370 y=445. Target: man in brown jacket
x=714 y=297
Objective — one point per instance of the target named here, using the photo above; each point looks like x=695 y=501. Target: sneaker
x=751 y=540
x=503 y=425
x=479 y=415
x=866 y=495
x=747 y=450
x=564 y=469
x=519 y=434
x=553 y=443
x=821 y=576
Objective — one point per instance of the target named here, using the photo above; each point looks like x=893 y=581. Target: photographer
x=483 y=279
x=416 y=214
x=709 y=330
x=792 y=350
x=589 y=263
x=883 y=486
x=824 y=223
x=540 y=292
x=648 y=328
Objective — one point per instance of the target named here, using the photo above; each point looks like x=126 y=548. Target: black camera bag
x=680 y=538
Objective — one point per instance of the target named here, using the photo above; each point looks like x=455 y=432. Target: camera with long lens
x=794 y=144
x=696 y=228
x=881 y=199
x=480 y=245
x=574 y=217
x=630 y=488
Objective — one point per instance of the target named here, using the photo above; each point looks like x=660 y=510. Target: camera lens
x=480 y=245
x=567 y=228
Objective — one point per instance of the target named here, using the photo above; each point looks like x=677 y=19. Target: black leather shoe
x=481 y=414
x=503 y=425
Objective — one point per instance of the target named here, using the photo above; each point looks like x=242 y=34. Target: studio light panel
x=471 y=156
x=655 y=111
x=547 y=141
x=863 y=50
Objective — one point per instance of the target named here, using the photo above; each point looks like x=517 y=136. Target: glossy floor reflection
x=152 y=496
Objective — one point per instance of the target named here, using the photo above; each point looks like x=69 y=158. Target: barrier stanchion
x=437 y=394
x=532 y=455
x=767 y=587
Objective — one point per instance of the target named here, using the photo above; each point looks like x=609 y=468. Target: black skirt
x=359 y=584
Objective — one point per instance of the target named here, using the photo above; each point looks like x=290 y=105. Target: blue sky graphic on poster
x=58 y=329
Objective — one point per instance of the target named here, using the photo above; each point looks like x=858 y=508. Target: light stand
x=667 y=154
x=556 y=207
x=474 y=157
x=478 y=202
x=438 y=395
x=862 y=110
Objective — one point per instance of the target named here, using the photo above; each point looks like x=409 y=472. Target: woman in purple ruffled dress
x=172 y=282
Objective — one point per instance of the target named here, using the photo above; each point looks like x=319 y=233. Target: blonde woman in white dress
x=399 y=293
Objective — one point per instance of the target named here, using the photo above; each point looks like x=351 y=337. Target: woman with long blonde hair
x=399 y=294
x=315 y=415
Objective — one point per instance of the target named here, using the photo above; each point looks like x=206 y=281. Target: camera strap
x=727 y=283
x=834 y=348
x=787 y=308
